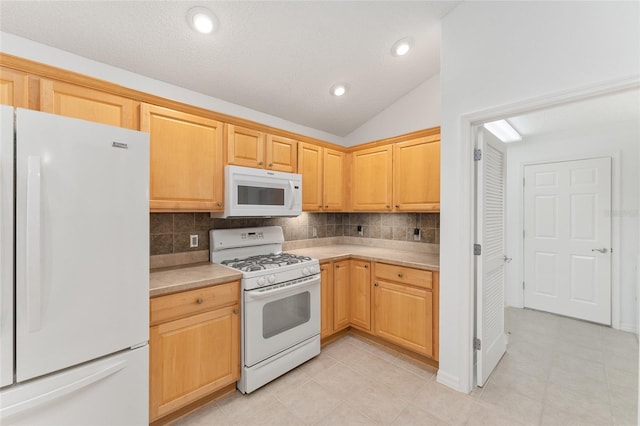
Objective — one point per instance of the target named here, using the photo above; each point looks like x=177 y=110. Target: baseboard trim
x=629 y=326
x=449 y=380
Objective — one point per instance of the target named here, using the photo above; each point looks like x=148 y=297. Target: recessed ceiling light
x=338 y=89
x=401 y=47
x=503 y=131
x=202 y=20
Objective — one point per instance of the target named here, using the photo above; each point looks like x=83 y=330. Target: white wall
x=618 y=140
x=418 y=109
x=495 y=54
x=28 y=49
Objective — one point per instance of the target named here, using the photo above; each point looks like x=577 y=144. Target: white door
x=567 y=243
x=490 y=264
x=6 y=245
x=82 y=241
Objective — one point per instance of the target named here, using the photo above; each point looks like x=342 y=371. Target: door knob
x=507 y=259
x=602 y=250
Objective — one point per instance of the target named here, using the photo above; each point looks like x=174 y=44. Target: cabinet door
x=333 y=193
x=404 y=316
x=372 y=179
x=341 y=295
x=66 y=99
x=360 y=284
x=193 y=357
x=281 y=154
x=416 y=179
x=310 y=167
x=326 y=300
x=245 y=147
x=186 y=159
x=13 y=88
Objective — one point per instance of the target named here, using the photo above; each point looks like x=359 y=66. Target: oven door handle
x=258 y=294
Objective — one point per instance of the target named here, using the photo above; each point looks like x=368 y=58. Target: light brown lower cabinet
x=194 y=345
x=395 y=303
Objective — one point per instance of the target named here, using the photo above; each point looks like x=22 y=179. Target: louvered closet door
x=490 y=264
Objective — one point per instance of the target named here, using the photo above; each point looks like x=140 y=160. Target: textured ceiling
x=279 y=58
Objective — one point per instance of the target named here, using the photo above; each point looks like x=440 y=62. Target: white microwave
x=252 y=192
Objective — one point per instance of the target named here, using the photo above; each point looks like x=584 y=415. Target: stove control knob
x=272 y=279
x=262 y=281
x=305 y=271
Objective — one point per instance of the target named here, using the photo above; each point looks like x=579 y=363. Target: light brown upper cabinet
x=186 y=160
x=323 y=176
x=74 y=101
x=251 y=148
x=416 y=174
x=372 y=179
x=13 y=88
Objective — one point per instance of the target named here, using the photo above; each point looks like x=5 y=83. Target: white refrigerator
x=74 y=271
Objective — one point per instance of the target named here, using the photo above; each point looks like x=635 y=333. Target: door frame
x=466 y=315
x=615 y=227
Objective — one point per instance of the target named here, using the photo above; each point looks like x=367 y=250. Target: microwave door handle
x=293 y=194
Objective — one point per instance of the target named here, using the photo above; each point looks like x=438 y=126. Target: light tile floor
x=557 y=371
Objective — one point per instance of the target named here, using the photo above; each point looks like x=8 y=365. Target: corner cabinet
x=194 y=343
x=360 y=284
x=186 y=160
x=251 y=148
x=323 y=177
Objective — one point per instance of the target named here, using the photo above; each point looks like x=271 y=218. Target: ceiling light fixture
x=338 y=89
x=202 y=20
x=401 y=47
x=503 y=131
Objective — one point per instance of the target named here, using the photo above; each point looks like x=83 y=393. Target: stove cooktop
x=265 y=261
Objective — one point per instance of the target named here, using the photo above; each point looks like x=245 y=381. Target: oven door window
x=284 y=314
x=260 y=196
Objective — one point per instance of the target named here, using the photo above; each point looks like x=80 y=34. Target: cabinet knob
x=320 y=207
x=326 y=207
x=270 y=164
x=397 y=206
x=200 y=301
x=375 y=284
x=235 y=311
x=260 y=163
x=399 y=274
x=388 y=206
x=366 y=266
x=219 y=204
x=337 y=266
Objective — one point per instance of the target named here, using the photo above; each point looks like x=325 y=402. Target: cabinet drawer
x=401 y=274
x=173 y=306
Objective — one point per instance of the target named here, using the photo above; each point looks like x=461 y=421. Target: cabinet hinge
x=522 y=181
x=476 y=344
x=523 y=285
x=477 y=249
x=477 y=154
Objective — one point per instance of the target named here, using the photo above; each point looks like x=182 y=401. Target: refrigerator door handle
x=36 y=401
x=33 y=261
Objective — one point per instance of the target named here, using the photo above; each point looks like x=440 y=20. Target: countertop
x=378 y=254
x=188 y=277
x=174 y=279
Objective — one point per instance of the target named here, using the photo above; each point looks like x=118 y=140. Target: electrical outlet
x=360 y=233
x=314 y=232
x=193 y=241
x=416 y=234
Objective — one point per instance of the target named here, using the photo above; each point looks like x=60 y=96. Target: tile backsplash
x=170 y=232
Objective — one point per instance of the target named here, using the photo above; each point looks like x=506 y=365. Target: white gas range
x=280 y=302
